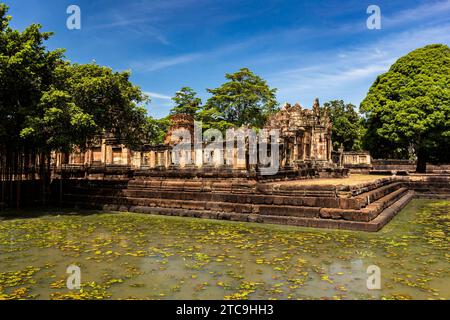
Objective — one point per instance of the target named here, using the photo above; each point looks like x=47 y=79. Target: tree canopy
x=186 y=102
x=347 y=125
x=26 y=72
x=407 y=109
x=157 y=129
x=246 y=99
x=48 y=104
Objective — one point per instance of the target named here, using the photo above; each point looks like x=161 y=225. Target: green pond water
x=137 y=256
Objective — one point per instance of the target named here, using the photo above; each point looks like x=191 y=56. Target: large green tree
x=48 y=104
x=26 y=72
x=347 y=125
x=186 y=102
x=408 y=107
x=157 y=129
x=246 y=99
x=85 y=102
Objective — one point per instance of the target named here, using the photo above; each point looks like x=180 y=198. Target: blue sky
x=306 y=49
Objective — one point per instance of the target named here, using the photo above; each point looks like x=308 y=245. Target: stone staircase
x=356 y=207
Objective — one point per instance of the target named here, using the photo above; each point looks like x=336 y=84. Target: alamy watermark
x=74 y=279
x=240 y=146
x=357 y=276
x=374 y=280
x=374 y=20
x=73 y=22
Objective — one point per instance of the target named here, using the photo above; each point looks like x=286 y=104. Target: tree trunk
x=42 y=176
x=421 y=162
x=3 y=181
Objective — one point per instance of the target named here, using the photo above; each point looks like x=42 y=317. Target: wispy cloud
x=299 y=34
x=156 y=18
x=348 y=73
x=120 y=21
x=148 y=66
x=162 y=63
x=305 y=66
x=432 y=9
x=141 y=26
x=160 y=104
x=157 y=95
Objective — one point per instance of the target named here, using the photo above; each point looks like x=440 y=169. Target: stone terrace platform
x=359 y=202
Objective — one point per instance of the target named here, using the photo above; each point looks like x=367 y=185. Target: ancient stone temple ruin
x=226 y=183
x=304 y=148
x=305 y=134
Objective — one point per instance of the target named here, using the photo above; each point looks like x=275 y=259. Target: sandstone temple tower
x=305 y=134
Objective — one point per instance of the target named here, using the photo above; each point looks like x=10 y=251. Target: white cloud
x=190 y=57
x=157 y=95
x=349 y=73
x=160 y=104
x=344 y=72
x=164 y=63
x=431 y=9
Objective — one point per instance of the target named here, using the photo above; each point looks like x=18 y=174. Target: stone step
x=262 y=209
x=312 y=201
x=207 y=185
x=234 y=187
x=364 y=199
x=327 y=206
x=358 y=189
x=376 y=224
x=366 y=214
x=163 y=203
x=316 y=201
x=298 y=211
x=384 y=202
x=225 y=198
x=157 y=196
x=236 y=198
x=288 y=211
x=244 y=217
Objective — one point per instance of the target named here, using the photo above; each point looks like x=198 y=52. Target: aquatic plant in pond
x=136 y=256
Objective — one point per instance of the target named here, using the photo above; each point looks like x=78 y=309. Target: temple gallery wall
x=304 y=139
x=313 y=186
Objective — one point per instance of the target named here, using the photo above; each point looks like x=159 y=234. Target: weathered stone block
x=261 y=199
x=331 y=213
x=289 y=211
x=293 y=201
x=274 y=219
